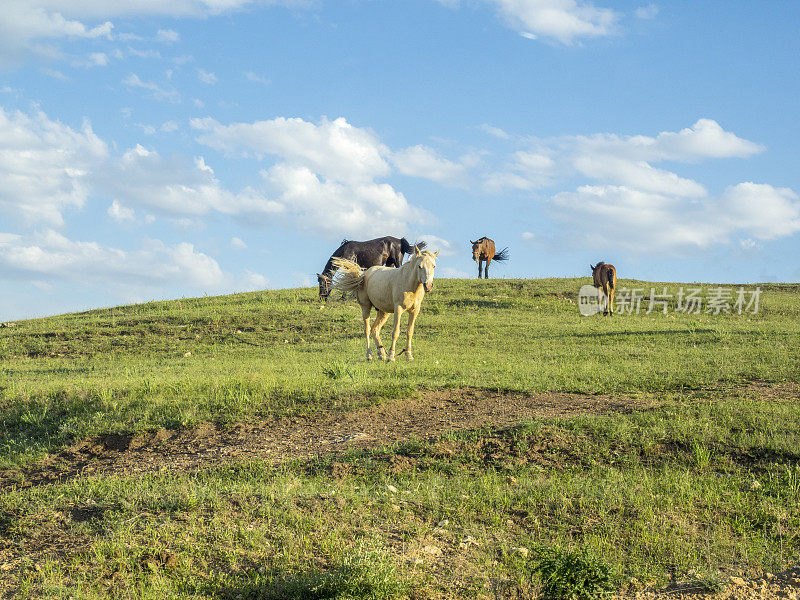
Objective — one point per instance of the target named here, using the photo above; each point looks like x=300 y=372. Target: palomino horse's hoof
x=369 y=357
x=408 y=355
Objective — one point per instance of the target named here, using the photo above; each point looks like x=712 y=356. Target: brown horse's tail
x=349 y=277
x=610 y=278
x=502 y=255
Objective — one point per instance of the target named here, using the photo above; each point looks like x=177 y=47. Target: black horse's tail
x=407 y=248
x=502 y=255
x=610 y=277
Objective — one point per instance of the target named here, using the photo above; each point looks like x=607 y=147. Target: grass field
x=703 y=484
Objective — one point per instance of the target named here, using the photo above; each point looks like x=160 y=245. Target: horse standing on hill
x=387 y=251
x=483 y=250
x=389 y=291
x=604 y=278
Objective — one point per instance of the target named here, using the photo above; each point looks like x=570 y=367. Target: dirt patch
x=780 y=586
x=429 y=415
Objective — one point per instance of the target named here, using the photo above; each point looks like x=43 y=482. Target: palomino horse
x=387 y=251
x=389 y=291
x=483 y=250
x=604 y=278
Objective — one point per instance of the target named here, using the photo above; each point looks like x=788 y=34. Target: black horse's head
x=324 y=286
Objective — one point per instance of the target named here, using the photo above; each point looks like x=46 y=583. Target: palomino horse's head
x=324 y=286
x=425 y=263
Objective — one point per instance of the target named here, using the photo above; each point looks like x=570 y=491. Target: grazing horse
x=387 y=251
x=604 y=278
x=389 y=291
x=483 y=250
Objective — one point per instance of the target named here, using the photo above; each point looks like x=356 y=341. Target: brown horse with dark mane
x=483 y=250
x=386 y=251
x=604 y=278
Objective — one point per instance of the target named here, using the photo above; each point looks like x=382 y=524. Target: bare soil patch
x=428 y=415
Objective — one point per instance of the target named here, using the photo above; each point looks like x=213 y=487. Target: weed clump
x=367 y=575
x=573 y=575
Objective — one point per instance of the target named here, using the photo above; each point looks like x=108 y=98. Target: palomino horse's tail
x=502 y=255
x=349 y=277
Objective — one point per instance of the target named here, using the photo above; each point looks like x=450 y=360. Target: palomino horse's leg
x=488 y=262
x=412 y=316
x=376 y=332
x=398 y=313
x=365 y=310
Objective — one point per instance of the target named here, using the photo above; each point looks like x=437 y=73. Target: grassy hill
x=704 y=482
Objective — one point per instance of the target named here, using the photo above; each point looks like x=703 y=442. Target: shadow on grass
x=361 y=576
x=37 y=426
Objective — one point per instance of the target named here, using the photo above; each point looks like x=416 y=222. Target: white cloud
x=326 y=176
x=705 y=139
x=365 y=209
x=421 y=161
x=335 y=149
x=51 y=256
x=45 y=166
x=55 y=74
x=256 y=78
x=159 y=93
x=26 y=25
x=238 y=243
x=435 y=243
x=563 y=20
x=649 y=222
x=176 y=186
x=495 y=131
x=23 y=23
x=760 y=210
x=167 y=36
x=527 y=235
x=93 y=59
x=452 y=273
x=646 y=12
x=636 y=174
x=120 y=213
x=206 y=77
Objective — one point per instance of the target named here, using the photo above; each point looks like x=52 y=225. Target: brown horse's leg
x=610 y=300
x=488 y=262
x=480 y=267
x=398 y=313
x=412 y=316
x=600 y=304
x=365 y=310
x=376 y=332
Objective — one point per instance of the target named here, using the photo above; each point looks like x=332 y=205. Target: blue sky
x=156 y=150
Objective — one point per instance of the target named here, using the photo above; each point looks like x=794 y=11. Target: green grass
x=169 y=364
x=705 y=485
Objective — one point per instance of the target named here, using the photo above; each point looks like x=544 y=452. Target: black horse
x=387 y=251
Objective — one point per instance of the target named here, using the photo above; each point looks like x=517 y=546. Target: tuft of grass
x=573 y=575
x=339 y=370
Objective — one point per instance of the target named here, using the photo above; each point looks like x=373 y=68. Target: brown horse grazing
x=387 y=251
x=604 y=278
x=483 y=250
